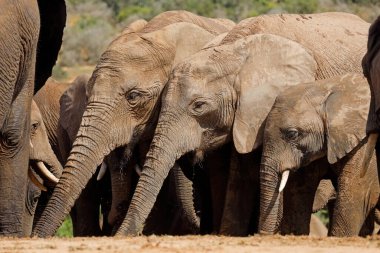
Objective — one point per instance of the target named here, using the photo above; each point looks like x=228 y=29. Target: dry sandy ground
x=289 y=244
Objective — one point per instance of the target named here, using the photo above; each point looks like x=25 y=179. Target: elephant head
x=42 y=158
x=45 y=169
x=307 y=122
x=218 y=94
x=122 y=96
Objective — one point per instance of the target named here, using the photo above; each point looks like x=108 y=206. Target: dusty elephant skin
x=122 y=101
x=231 y=88
x=21 y=70
x=322 y=120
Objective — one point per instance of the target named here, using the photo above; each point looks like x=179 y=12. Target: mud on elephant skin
x=325 y=120
x=29 y=48
x=230 y=89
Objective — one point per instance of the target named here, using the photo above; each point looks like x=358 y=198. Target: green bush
x=66 y=230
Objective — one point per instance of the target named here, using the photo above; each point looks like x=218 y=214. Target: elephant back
x=47 y=100
x=336 y=40
x=214 y=26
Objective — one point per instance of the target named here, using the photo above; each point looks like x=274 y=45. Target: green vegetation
x=66 y=230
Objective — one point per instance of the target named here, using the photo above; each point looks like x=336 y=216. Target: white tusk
x=31 y=144
x=138 y=169
x=284 y=179
x=369 y=150
x=102 y=171
x=35 y=181
x=45 y=172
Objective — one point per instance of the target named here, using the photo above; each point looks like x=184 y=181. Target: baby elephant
x=321 y=127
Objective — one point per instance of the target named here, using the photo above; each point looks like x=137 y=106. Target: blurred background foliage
x=92 y=24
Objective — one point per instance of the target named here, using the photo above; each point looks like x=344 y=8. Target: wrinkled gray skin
x=323 y=122
x=28 y=51
x=225 y=92
x=122 y=102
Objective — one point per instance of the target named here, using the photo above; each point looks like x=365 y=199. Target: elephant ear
x=272 y=64
x=73 y=103
x=52 y=23
x=346 y=110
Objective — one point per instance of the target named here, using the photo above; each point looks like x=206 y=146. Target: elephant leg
x=356 y=196
x=298 y=197
x=217 y=164
x=85 y=213
x=14 y=156
x=241 y=209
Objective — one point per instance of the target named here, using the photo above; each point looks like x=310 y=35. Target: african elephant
x=30 y=39
x=43 y=164
x=122 y=101
x=61 y=131
x=323 y=121
x=224 y=93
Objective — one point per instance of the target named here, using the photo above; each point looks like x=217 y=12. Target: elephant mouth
x=42 y=170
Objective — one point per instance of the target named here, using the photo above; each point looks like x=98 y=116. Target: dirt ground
x=269 y=244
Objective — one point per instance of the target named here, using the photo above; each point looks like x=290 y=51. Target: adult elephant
x=225 y=92
x=321 y=121
x=122 y=103
x=30 y=38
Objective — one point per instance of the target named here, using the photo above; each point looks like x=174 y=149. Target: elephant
x=123 y=100
x=321 y=124
x=44 y=163
x=220 y=95
x=30 y=38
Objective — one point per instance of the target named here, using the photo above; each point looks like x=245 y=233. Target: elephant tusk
x=31 y=144
x=102 y=171
x=35 y=181
x=138 y=170
x=284 y=179
x=371 y=144
x=45 y=172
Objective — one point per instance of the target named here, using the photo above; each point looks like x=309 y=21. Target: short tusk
x=284 y=179
x=35 y=181
x=102 y=171
x=138 y=170
x=371 y=144
x=45 y=172
x=31 y=144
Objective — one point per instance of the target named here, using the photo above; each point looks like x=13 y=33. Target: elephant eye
x=133 y=96
x=35 y=125
x=291 y=134
x=198 y=106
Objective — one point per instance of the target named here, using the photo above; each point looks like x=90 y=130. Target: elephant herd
x=191 y=125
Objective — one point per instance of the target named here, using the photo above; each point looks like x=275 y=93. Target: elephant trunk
x=160 y=159
x=87 y=153
x=185 y=199
x=269 y=197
